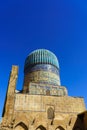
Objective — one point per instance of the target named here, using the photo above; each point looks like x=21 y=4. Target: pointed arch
x=50 y=113
x=40 y=128
x=60 y=128
x=21 y=126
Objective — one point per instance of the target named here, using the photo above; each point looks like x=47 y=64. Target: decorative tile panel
x=40 y=89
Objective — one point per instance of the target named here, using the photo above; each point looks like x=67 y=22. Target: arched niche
x=50 y=113
x=40 y=128
x=21 y=126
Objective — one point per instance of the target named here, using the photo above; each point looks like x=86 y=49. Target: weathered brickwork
x=41 y=77
x=39 y=103
x=10 y=97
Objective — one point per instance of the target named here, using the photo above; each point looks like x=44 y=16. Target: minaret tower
x=10 y=96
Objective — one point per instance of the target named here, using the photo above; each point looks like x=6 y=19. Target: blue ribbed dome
x=41 y=56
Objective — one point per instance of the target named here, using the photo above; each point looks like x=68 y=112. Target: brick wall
x=63 y=104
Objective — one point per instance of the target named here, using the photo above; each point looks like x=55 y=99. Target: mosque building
x=43 y=104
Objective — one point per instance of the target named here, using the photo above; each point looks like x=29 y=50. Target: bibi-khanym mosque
x=43 y=104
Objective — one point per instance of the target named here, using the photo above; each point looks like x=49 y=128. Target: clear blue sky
x=57 y=25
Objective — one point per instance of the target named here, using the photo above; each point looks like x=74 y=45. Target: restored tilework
x=41 y=56
x=42 y=77
x=44 y=67
x=42 y=89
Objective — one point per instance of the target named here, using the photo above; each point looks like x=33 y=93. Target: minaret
x=10 y=95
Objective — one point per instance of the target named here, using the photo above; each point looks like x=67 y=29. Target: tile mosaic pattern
x=44 y=67
x=41 y=89
x=41 y=56
x=42 y=77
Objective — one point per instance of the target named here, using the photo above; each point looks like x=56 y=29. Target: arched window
x=40 y=128
x=60 y=128
x=50 y=113
x=21 y=126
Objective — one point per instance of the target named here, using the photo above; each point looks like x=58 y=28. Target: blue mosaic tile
x=45 y=67
x=41 y=56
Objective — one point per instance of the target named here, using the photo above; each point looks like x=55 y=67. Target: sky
x=57 y=25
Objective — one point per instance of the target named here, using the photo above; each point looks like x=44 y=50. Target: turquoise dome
x=41 y=56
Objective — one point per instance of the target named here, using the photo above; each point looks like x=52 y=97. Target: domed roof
x=41 y=56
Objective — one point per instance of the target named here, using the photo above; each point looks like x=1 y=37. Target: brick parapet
x=36 y=103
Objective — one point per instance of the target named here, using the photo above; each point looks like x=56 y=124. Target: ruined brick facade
x=43 y=104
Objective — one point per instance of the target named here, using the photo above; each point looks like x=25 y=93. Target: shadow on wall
x=79 y=124
x=21 y=126
x=60 y=128
x=41 y=128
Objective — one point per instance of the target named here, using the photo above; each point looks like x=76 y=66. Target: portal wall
x=65 y=104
